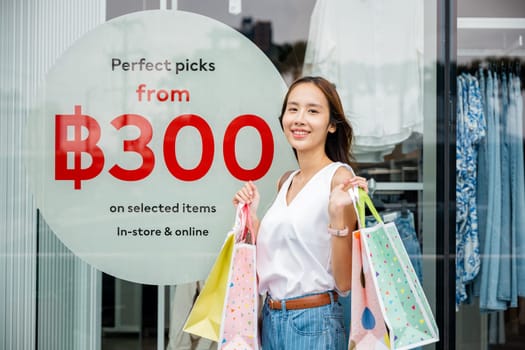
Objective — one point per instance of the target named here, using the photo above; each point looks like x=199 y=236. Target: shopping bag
x=226 y=309
x=205 y=316
x=239 y=329
x=367 y=326
x=389 y=289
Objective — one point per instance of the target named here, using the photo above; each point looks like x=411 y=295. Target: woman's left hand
x=359 y=182
x=339 y=197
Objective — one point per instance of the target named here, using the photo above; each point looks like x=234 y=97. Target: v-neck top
x=293 y=246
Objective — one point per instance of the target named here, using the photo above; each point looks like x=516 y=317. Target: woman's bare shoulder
x=283 y=178
x=343 y=172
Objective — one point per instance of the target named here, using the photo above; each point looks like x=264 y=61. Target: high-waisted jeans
x=316 y=328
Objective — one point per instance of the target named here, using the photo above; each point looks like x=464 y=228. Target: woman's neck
x=311 y=164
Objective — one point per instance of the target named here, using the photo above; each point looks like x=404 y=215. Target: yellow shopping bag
x=205 y=317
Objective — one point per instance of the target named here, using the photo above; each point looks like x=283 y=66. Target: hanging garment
x=490 y=150
x=501 y=194
x=517 y=185
x=470 y=130
x=506 y=258
x=512 y=131
x=372 y=51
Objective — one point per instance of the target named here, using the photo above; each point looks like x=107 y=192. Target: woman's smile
x=299 y=133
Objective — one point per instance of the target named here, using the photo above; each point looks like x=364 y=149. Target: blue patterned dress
x=470 y=129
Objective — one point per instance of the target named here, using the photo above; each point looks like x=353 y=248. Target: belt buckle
x=274 y=304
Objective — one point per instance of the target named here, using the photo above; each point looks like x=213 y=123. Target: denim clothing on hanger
x=512 y=289
x=483 y=177
x=477 y=129
x=491 y=176
x=517 y=185
x=503 y=283
x=407 y=231
x=461 y=207
x=470 y=130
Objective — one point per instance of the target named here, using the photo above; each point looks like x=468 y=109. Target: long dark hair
x=339 y=143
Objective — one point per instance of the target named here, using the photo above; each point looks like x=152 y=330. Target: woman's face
x=306 y=118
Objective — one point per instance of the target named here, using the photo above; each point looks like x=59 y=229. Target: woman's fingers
x=355 y=181
x=360 y=182
x=247 y=194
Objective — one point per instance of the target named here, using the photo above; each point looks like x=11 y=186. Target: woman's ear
x=332 y=128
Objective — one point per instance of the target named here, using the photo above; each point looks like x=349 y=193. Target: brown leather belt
x=303 y=303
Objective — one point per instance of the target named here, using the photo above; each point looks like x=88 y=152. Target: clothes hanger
x=404 y=208
x=377 y=202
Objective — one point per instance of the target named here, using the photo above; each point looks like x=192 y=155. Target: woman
x=303 y=245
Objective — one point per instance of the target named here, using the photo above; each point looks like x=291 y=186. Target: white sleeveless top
x=293 y=246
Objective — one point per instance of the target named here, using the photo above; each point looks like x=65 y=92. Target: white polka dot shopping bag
x=389 y=309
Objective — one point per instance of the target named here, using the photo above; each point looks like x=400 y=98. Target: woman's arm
x=250 y=194
x=342 y=217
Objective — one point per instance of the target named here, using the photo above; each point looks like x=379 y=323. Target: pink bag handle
x=246 y=221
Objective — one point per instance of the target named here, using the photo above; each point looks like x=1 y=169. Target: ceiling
x=497 y=30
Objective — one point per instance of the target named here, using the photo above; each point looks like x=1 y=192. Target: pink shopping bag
x=239 y=330
x=367 y=328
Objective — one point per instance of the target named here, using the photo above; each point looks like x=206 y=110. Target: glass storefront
x=401 y=69
x=489 y=291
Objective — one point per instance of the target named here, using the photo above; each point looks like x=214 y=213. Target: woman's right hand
x=248 y=194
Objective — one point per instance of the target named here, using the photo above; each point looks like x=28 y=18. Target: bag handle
x=246 y=223
x=361 y=204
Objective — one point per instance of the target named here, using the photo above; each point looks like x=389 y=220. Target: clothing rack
x=497 y=64
x=375 y=186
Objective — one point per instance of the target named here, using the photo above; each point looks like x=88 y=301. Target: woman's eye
x=292 y=109
x=313 y=111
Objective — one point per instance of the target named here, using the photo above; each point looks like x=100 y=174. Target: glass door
x=489 y=297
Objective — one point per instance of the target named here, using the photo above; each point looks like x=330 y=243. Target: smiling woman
x=303 y=247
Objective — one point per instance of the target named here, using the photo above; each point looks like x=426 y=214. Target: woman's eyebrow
x=308 y=104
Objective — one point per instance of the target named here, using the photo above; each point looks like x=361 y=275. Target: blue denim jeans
x=517 y=185
x=317 y=328
x=502 y=195
x=489 y=201
x=505 y=270
x=483 y=173
x=496 y=222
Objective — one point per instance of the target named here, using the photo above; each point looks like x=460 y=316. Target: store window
x=490 y=270
x=383 y=59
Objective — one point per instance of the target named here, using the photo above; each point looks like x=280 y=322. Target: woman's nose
x=299 y=117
